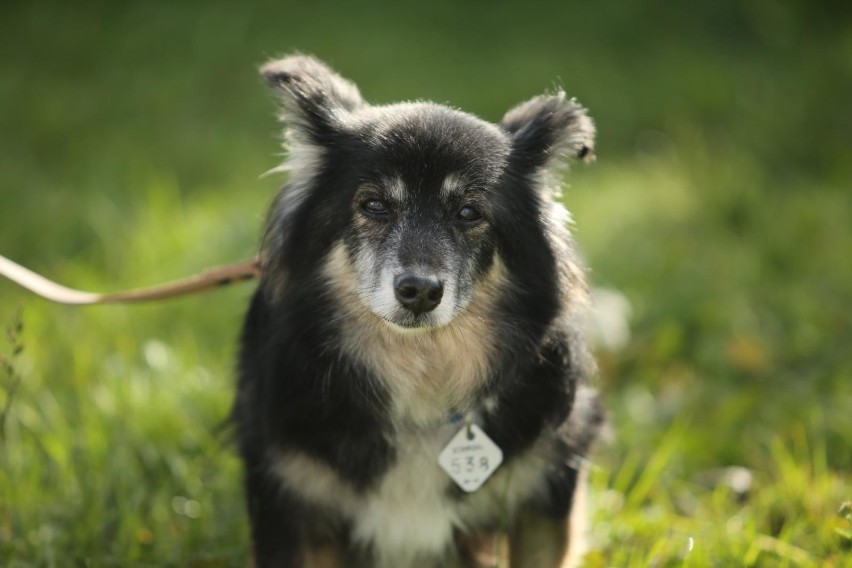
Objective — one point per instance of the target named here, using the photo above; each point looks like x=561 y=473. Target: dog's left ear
x=314 y=98
x=547 y=129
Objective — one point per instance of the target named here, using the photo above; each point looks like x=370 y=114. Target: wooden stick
x=212 y=278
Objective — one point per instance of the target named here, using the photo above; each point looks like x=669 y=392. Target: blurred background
x=132 y=138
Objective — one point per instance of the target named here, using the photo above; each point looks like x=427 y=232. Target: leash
x=207 y=280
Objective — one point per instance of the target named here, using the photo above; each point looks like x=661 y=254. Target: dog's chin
x=411 y=324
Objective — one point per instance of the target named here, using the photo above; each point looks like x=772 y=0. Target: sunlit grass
x=115 y=445
x=781 y=511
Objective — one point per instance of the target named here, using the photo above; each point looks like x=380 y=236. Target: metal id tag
x=470 y=457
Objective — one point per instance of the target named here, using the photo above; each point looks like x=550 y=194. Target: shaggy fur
x=418 y=270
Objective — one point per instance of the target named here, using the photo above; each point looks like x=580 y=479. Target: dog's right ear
x=314 y=99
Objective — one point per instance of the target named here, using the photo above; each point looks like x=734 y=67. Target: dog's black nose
x=418 y=293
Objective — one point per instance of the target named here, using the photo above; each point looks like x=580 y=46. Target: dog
x=414 y=387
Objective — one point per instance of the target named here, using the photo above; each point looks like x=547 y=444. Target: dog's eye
x=374 y=207
x=469 y=214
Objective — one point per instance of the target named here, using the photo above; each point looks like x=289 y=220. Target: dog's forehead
x=432 y=145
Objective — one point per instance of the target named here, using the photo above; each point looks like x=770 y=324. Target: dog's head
x=412 y=203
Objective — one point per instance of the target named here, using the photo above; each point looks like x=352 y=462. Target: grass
x=131 y=140
x=785 y=513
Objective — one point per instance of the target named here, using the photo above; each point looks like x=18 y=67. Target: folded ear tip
x=284 y=69
x=585 y=131
x=275 y=74
x=275 y=78
x=586 y=154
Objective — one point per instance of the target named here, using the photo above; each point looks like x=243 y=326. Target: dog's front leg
x=538 y=541
x=275 y=536
x=323 y=556
x=542 y=539
x=486 y=549
x=281 y=525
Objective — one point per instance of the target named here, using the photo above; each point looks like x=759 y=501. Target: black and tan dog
x=413 y=382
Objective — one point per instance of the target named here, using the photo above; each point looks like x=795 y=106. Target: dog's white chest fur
x=410 y=515
x=407 y=515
